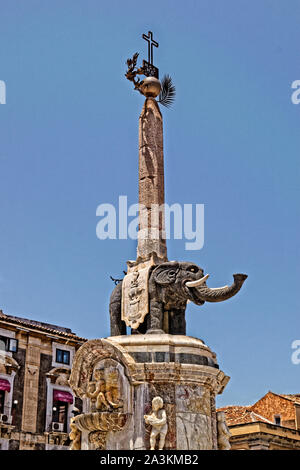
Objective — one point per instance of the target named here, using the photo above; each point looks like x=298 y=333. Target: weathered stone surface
x=193 y=399
x=193 y=431
x=140 y=435
x=213 y=421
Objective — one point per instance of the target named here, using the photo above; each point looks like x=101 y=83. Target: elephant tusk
x=197 y=283
x=216 y=289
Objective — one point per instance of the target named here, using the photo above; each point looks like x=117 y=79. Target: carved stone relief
x=135 y=292
x=109 y=400
x=194 y=399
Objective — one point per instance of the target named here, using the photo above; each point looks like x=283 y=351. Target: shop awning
x=60 y=395
x=4 y=385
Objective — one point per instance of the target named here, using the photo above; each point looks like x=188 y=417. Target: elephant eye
x=172 y=273
x=194 y=269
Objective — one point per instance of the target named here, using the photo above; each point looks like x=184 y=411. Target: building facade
x=36 y=402
x=272 y=423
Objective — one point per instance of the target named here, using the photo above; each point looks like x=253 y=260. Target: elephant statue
x=171 y=285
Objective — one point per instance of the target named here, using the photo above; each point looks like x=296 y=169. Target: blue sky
x=69 y=142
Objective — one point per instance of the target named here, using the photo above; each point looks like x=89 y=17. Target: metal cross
x=151 y=43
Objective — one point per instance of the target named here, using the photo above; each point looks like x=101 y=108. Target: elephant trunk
x=221 y=293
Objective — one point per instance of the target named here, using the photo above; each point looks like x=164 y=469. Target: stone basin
x=101 y=421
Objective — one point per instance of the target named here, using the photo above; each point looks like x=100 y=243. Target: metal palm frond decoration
x=168 y=92
x=150 y=87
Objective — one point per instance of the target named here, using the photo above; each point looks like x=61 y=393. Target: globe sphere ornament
x=150 y=87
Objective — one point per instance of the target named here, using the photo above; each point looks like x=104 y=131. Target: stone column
x=151 y=182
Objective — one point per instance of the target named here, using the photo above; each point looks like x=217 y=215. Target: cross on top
x=151 y=43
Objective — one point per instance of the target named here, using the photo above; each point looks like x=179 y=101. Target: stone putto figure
x=223 y=432
x=96 y=391
x=158 y=420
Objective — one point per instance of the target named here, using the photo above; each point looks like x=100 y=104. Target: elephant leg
x=177 y=323
x=155 y=322
x=142 y=327
x=117 y=326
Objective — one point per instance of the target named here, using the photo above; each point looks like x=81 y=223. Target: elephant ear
x=165 y=273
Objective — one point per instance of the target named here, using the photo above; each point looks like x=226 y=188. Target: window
x=13 y=345
x=63 y=356
x=277 y=420
x=2 y=399
x=8 y=344
x=60 y=413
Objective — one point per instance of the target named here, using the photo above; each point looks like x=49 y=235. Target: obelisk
x=151 y=237
x=151 y=249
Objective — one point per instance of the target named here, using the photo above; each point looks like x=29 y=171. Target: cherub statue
x=223 y=432
x=75 y=436
x=158 y=420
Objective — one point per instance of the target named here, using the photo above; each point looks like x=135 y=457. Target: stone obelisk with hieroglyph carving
x=152 y=247
x=151 y=236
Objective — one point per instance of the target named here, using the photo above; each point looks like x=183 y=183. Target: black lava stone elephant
x=171 y=285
